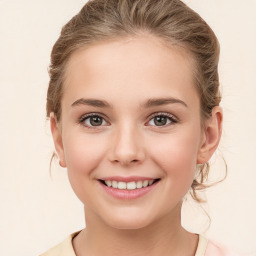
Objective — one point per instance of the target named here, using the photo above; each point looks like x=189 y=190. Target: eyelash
x=172 y=119
x=90 y=115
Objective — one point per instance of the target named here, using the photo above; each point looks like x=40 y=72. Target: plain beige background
x=38 y=211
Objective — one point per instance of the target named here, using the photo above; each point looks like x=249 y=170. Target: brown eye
x=162 y=119
x=93 y=120
x=96 y=120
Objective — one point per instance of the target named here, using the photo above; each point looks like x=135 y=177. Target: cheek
x=82 y=150
x=176 y=155
x=82 y=154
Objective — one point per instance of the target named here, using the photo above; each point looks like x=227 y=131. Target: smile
x=129 y=185
x=128 y=188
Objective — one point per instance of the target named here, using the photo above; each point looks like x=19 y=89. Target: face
x=130 y=117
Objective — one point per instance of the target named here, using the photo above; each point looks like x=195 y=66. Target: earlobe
x=57 y=139
x=211 y=136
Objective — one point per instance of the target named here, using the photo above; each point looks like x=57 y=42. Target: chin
x=128 y=225
x=128 y=220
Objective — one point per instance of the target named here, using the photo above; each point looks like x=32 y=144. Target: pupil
x=160 y=120
x=96 y=121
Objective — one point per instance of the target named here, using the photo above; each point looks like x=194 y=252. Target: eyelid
x=92 y=114
x=172 y=117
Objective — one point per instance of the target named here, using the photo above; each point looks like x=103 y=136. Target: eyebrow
x=162 y=101
x=91 y=102
x=149 y=103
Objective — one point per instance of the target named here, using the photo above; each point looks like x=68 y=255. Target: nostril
x=126 y=162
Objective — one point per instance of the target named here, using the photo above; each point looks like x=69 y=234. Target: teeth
x=128 y=185
x=131 y=185
x=109 y=183
x=114 y=184
x=121 y=185
x=150 y=182
x=139 y=184
x=145 y=183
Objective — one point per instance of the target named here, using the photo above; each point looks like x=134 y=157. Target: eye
x=92 y=120
x=162 y=119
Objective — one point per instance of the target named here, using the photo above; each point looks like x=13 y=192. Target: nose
x=127 y=146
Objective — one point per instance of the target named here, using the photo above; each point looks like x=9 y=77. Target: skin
x=126 y=73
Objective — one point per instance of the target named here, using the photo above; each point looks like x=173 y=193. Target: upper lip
x=127 y=179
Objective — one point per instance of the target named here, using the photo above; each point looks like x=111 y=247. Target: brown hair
x=170 y=20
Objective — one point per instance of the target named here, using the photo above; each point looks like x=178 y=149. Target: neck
x=163 y=237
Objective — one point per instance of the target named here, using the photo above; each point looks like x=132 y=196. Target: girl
x=133 y=102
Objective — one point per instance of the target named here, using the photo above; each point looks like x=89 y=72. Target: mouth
x=128 y=188
x=131 y=185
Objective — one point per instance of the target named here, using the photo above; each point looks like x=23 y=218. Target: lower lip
x=127 y=194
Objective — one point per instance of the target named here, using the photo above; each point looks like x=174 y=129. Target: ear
x=57 y=139
x=210 y=136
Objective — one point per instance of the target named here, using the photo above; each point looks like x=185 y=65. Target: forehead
x=141 y=64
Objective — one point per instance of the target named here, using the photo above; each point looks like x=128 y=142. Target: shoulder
x=217 y=249
x=64 y=248
x=207 y=247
